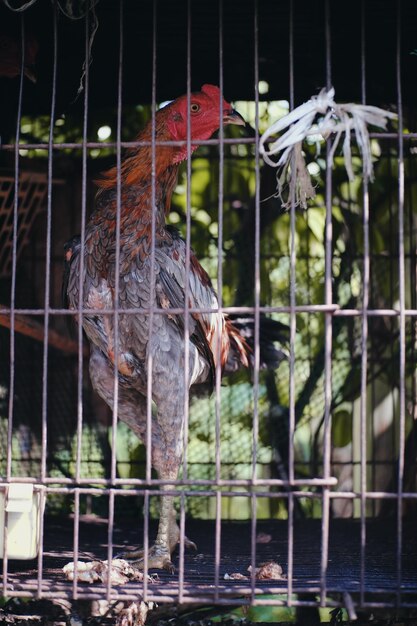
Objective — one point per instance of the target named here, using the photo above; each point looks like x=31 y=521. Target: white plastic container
x=21 y=511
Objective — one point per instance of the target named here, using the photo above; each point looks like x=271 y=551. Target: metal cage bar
x=328 y=330
x=401 y=291
x=364 y=330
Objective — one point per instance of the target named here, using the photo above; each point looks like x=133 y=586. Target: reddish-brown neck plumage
x=143 y=195
x=141 y=199
x=136 y=182
x=136 y=167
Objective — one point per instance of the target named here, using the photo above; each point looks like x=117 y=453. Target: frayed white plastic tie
x=321 y=116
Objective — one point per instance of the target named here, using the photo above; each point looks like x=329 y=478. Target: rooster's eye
x=194 y=107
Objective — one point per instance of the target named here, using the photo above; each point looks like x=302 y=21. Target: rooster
x=153 y=345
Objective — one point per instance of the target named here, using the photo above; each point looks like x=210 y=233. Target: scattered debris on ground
x=120 y=571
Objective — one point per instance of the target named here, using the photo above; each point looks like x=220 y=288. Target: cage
x=298 y=480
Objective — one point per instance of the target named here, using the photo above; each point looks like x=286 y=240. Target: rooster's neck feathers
x=138 y=164
x=148 y=174
x=141 y=193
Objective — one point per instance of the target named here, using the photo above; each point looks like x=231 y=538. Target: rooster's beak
x=233 y=117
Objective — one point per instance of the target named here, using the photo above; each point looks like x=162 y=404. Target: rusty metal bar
x=10 y=409
x=149 y=356
x=181 y=568
x=83 y=207
x=197 y=596
x=401 y=295
x=407 y=136
x=333 y=309
x=364 y=333
x=110 y=543
x=143 y=490
x=186 y=339
x=187 y=252
x=257 y=271
x=76 y=544
x=44 y=434
x=146 y=495
x=256 y=296
x=293 y=301
x=217 y=545
x=328 y=238
x=242 y=482
x=80 y=308
x=218 y=370
x=115 y=407
x=44 y=429
x=116 y=294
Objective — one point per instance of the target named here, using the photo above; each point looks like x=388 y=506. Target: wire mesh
x=246 y=451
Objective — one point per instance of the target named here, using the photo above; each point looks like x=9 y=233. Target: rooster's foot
x=158 y=556
x=190 y=545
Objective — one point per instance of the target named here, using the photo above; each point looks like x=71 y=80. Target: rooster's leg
x=167 y=446
x=167 y=449
x=159 y=554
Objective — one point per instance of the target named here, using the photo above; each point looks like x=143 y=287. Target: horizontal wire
x=307 y=308
x=253 y=490
x=127 y=144
x=236 y=141
x=222 y=482
x=168 y=593
x=192 y=593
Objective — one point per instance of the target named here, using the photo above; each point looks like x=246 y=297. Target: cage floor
x=198 y=584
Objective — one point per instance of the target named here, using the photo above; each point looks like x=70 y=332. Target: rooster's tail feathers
x=273 y=337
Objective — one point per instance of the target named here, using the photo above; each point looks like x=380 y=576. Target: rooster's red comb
x=211 y=90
